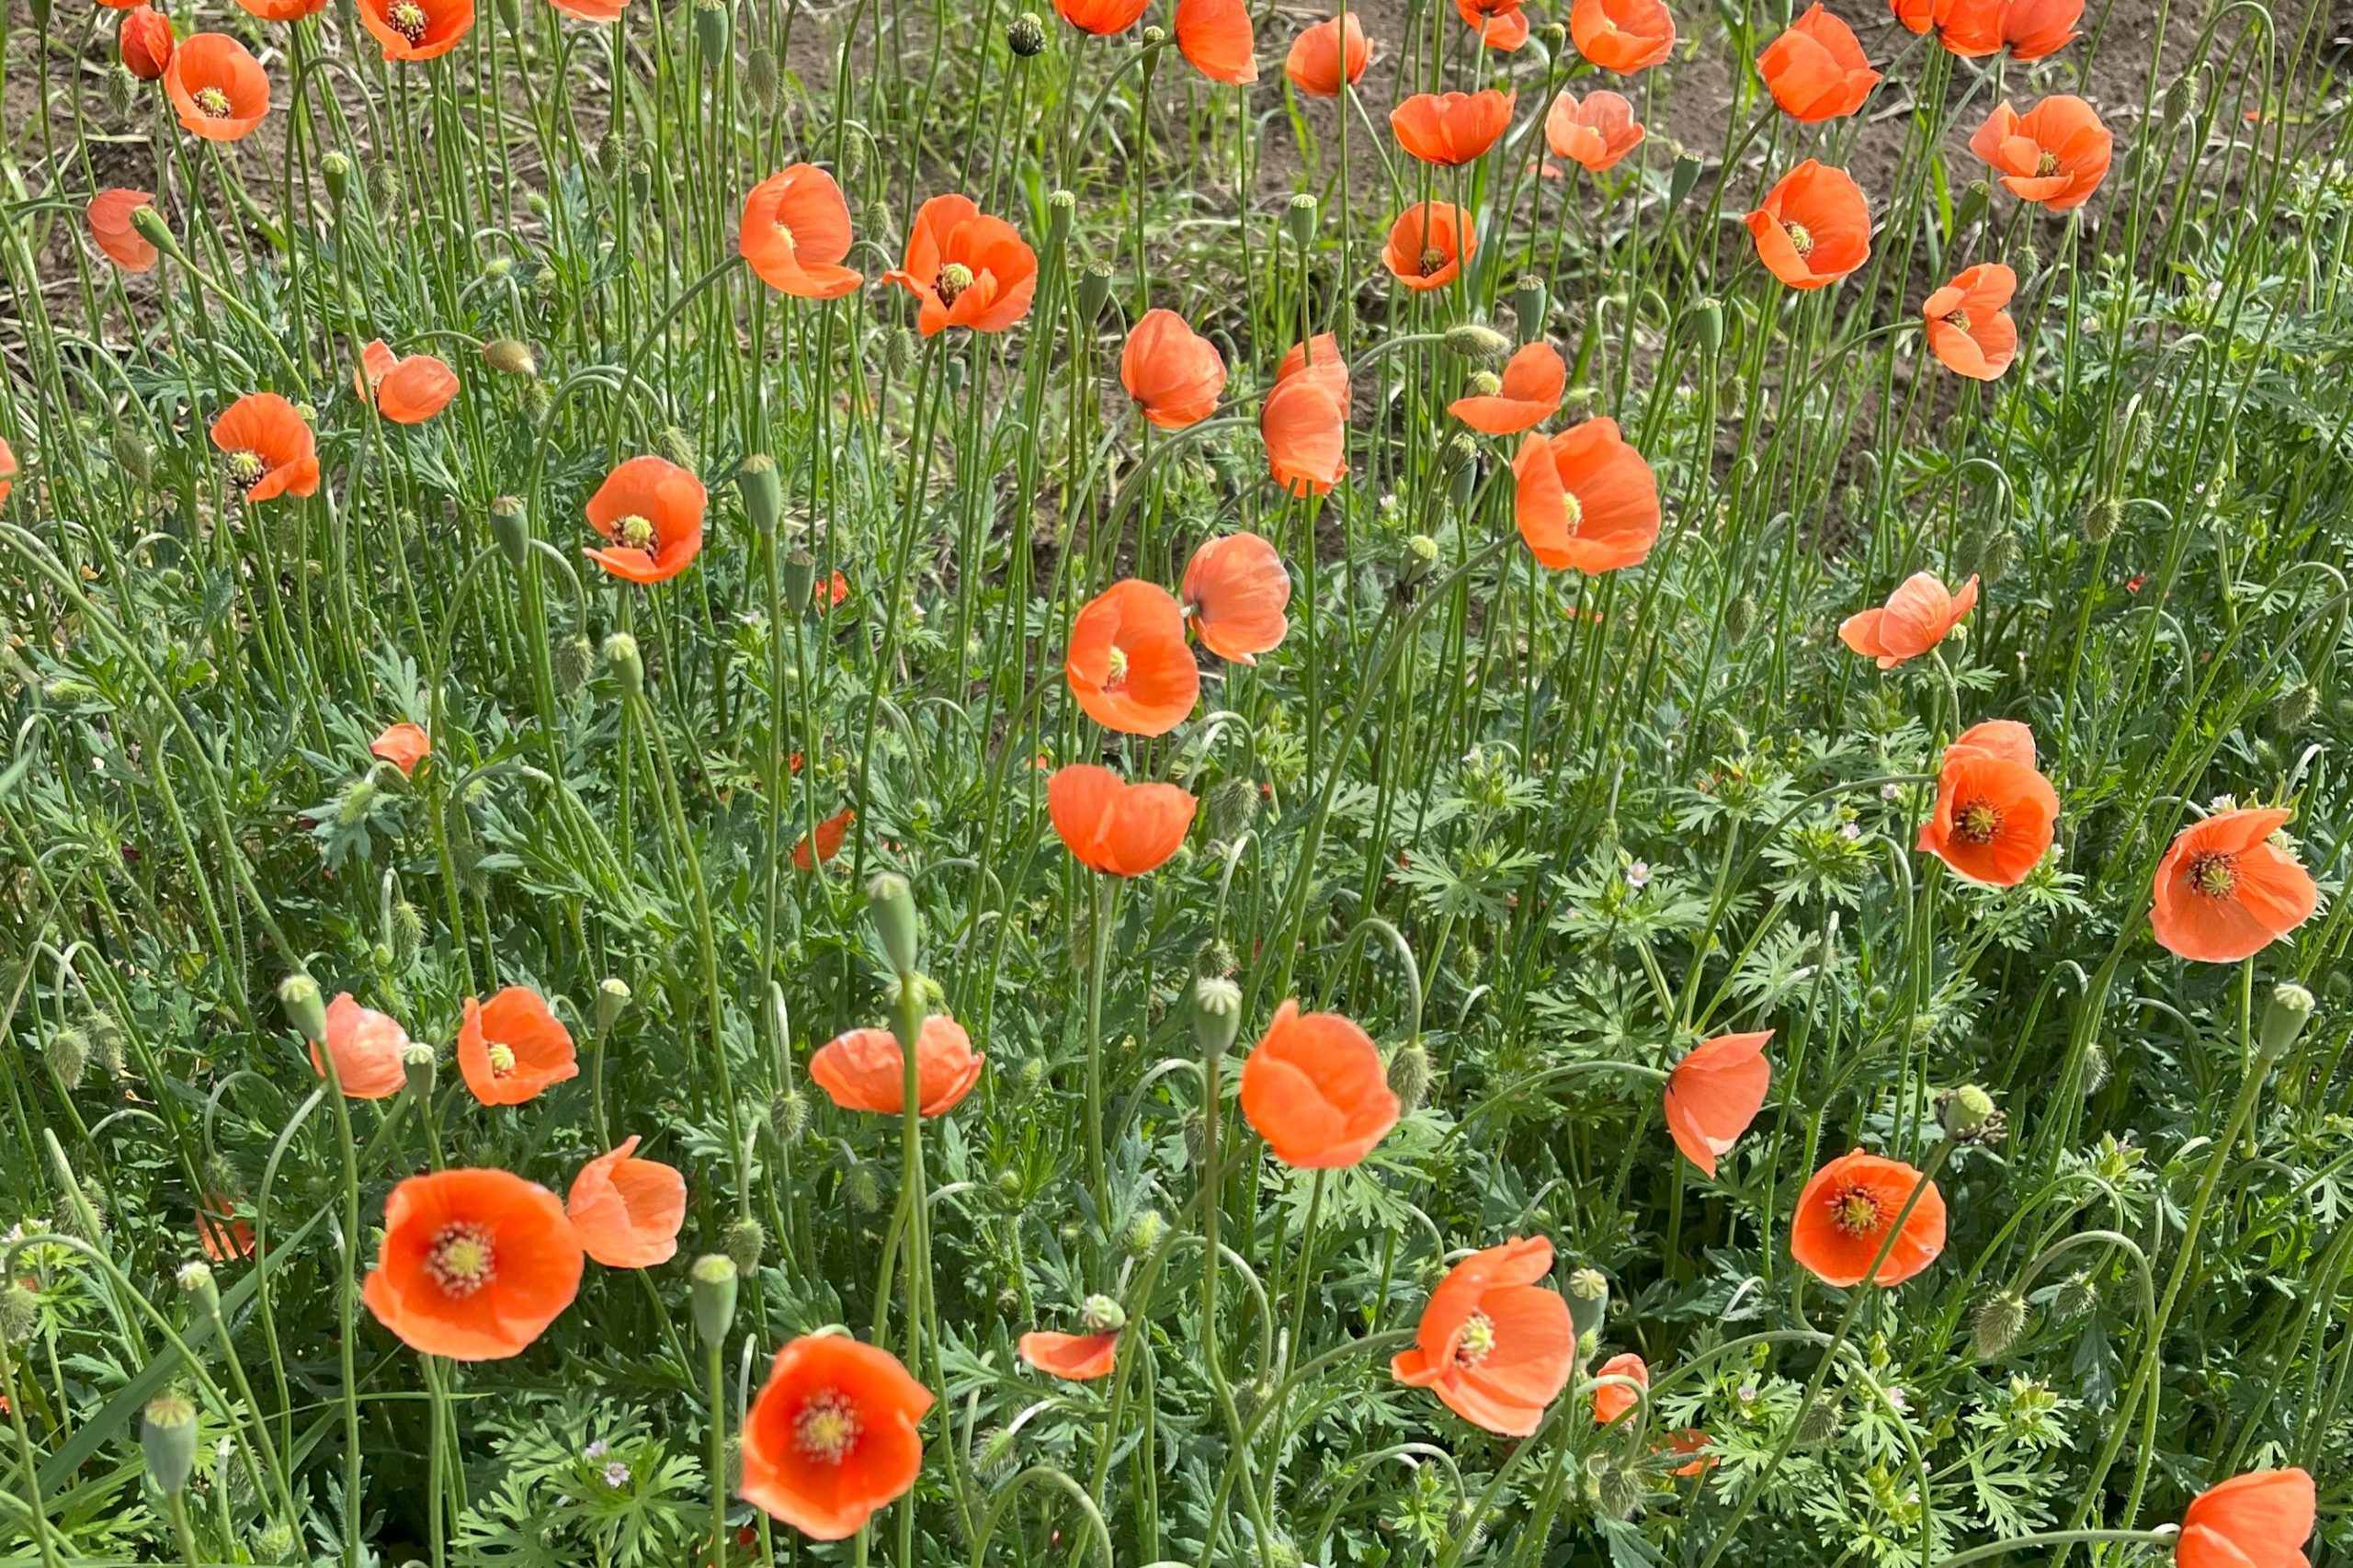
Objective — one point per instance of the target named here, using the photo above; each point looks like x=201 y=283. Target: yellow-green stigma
x=1477 y=1342
x=827 y=1427
x=462 y=1260
x=211 y=102
x=953 y=280
x=247 y=469
x=407 y=18
x=1800 y=238
x=2215 y=874
x=635 y=531
x=1976 y=822
x=1855 y=1212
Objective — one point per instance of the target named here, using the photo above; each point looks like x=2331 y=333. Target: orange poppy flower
x=828 y=838
x=403 y=746
x=1077 y=1357
x=475 y=1263
x=1714 y=1093
x=1995 y=814
x=1969 y=332
x=367 y=1047
x=1233 y=595
x=275 y=10
x=1814 y=227
x=795 y=233
x=1611 y=1401
x=1429 y=244
x=831 y=592
x=1315 y=63
x=111 y=225
x=2033 y=29
x=1494 y=1346
x=1815 y=69
x=1452 y=129
x=832 y=1437
x=1174 y=372
x=1215 y=36
x=1596 y=132
x=1114 y=827
x=1315 y=1089
x=1101 y=17
x=144 y=39
x=1970 y=28
x=1306 y=436
x=1319 y=361
x=2224 y=892
x=1529 y=392
x=217 y=87
x=271 y=451
x=593 y=10
x=418 y=30
x=2054 y=154
x=966 y=269
x=1917 y=616
x=406 y=392
x=1585 y=499
x=512 y=1047
x=1846 y=1211
x=865 y=1070
x=628 y=1211
x=1691 y=1440
x=1624 y=35
x=7 y=469
x=651 y=511
x=225 y=1237
x=1128 y=665
x=2260 y=1519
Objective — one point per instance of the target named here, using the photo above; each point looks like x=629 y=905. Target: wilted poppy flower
x=1500 y=27
x=270 y=450
x=512 y=1047
x=1173 y=371
x=1494 y=1346
x=1714 y=1093
x=418 y=30
x=1917 y=616
x=1526 y=394
x=1128 y=665
x=865 y=1070
x=1814 y=227
x=1848 y=1209
x=1624 y=35
x=628 y=1211
x=1078 y=1357
x=1452 y=129
x=1596 y=132
x=2033 y=29
x=406 y=392
x=1995 y=814
x=145 y=38
x=217 y=87
x=225 y=1237
x=795 y=233
x=2260 y=1519
x=1233 y=595
x=111 y=225
x=1429 y=244
x=826 y=839
x=2224 y=892
x=650 y=510
x=475 y=1263
x=2054 y=154
x=966 y=269
x=1313 y=64
x=832 y=1437
x=1315 y=1089
x=1215 y=36
x=1585 y=499
x=403 y=746
x=1116 y=827
x=1100 y=18
x=1611 y=1401
x=366 y=1047
x=1969 y=332
x=1815 y=69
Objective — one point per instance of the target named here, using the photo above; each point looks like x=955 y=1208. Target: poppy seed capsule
x=1682 y=180
x=711 y=1287
x=1101 y=1315
x=1094 y=289
x=1299 y=218
x=1026 y=36
x=196 y=1282
x=627 y=665
x=167 y=1439
x=891 y=904
x=762 y=487
x=418 y=1067
x=2284 y=1018
x=714 y=26
x=1527 y=305
x=1217 y=1014
x=1970 y=1114
x=507 y=528
x=298 y=994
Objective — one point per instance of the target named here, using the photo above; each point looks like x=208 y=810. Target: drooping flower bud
x=154 y=230
x=510 y=357
x=891 y=904
x=742 y=1243
x=1477 y=342
x=763 y=81
x=575 y=660
x=2000 y=1319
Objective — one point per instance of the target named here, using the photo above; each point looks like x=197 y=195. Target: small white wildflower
x=1890 y=791
x=593 y=1451
x=1850 y=832
x=616 y=1474
x=1638 y=875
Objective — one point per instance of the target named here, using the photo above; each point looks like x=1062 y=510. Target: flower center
x=1433 y=261
x=1855 y=1212
x=1477 y=1341
x=1800 y=238
x=1573 y=509
x=213 y=102
x=1977 y=822
x=827 y=1427
x=407 y=18
x=462 y=1260
x=786 y=236
x=1119 y=670
x=502 y=1062
x=2046 y=165
x=2215 y=874
x=247 y=469
x=1959 y=319
x=635 y=530
x=953 y=280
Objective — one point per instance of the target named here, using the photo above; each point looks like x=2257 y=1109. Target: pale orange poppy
x=2055 y=154
x=1969 y=331
x=1496 y=1345
x=1596 y=132
x=1316 y=62
x=628 y=1211
x=1313 y=1088
x=650 y=511
x=1528 y=393
x=965 y=269
x=217 y=87
x=270 y=450
x=1128 y=665
x=1585 y=499
x=1234 y=595
x=1714 y=1093
x=418 y=30
x=1814 y=228
x=865 y=1070
x=1076 y=1357
x=1116 y=827
x=2261 y=1519
x=832 y=1437
x=403 y=746
x=1215 y=34
x=1995 y=815
x=1175 y=374
x=1429 y=244
x=1917 y=616
x=512 y=1047
x=112 y=227
x=1624 y=35
x=2225 y=891
x=1611 y=1401
x=1452 y=129
x=367 y=1048
x=475 y=1266
x=1848 y=1210
x=795 y=235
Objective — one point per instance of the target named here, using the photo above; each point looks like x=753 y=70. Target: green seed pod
x=1707 y=323
x=510 y=14
x=1409 y=1076
x=419 y=1067
x=2284 y=1018
x=763 y=81
x=711 y=1287
x=742 y=1243
x=575 y=659
x=714 y=31
x=1217 y=1014
x=167 y=1437
x=628 y=666
x=1970 y=1114
x=612 y=998
x=298 y=994
x=1588 y=1302
x=799 y=581
x=1419 y=559
x=1682 y=180
x=1061 y=207
x=1527 y=306
x=1299 y=220
x=510 y=529
x=1094 y=289
x=1101 y=1315
x=196 y=1282
x=2000 y=1319
x=1026 y=36
x=891 y=904
x=762 y=486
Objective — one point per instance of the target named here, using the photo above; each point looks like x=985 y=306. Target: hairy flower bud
x=573 y=660
x=743 y=1241
x=1477 y=342
x=510 y=357
x=68 y=1055
x=1409 y=1076
x=2000 y=1319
